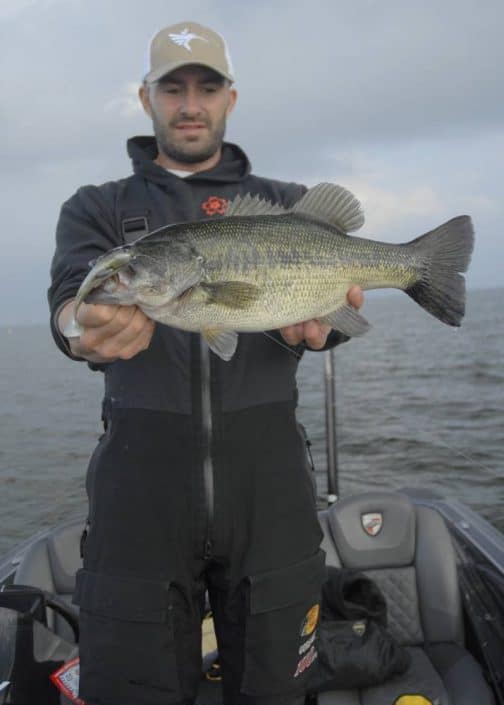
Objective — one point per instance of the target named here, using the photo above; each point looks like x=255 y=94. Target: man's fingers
x=355 y=297
x=293 y=335
x=121 y=319
x=96 y=315
x=315 y=334
x=134 y=338
x=139 y=344
x=124 y=334
x=112 y=322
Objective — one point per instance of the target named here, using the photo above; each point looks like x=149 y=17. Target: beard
x=187 y=151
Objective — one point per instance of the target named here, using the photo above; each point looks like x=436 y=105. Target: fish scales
x=302 y=267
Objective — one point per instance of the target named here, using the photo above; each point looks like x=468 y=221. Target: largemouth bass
x=263 y=267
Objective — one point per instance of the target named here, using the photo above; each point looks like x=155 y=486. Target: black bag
x=354 y=648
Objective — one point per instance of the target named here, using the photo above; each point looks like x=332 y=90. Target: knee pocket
x=282 y=617
x=127 y=645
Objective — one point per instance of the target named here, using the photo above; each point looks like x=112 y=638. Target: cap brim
x=164 y=70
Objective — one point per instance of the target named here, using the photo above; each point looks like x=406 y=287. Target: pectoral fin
x=347 y=320
x=222 y=342
x=231 y=294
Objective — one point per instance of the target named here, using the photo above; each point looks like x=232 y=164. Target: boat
x=438 y=564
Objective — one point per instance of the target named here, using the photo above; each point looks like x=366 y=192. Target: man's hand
x=110 y=332
x=315 y=333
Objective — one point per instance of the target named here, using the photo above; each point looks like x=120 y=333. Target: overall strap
x=132 y=212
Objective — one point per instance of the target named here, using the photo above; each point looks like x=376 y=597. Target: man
x=200 y=480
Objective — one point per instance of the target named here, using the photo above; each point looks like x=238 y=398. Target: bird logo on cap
x=185 y=38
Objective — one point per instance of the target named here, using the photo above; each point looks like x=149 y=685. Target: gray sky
x=402 y=102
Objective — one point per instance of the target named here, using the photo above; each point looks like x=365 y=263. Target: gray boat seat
x=412 y=560
x=50 y=563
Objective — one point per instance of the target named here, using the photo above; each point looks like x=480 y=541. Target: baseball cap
x=187 y=43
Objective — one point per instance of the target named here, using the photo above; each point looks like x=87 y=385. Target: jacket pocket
x=127 y=645
x=283 y=614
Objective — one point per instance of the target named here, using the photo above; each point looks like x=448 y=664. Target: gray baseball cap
x=184 y=44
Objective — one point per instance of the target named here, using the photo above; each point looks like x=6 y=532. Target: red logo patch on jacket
x=214 y=205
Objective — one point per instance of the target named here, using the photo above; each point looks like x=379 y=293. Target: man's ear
x=143 y=94
x=233 y=96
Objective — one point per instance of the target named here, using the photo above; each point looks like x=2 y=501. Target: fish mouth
x=105 y=268
x=106 y=291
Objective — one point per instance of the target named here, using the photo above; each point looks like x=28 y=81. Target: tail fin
x=447 y=252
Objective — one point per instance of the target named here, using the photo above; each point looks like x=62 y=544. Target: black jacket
x=92 y=221
x=214 y=444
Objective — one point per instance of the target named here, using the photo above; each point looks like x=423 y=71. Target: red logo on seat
x=372 y=523
x=215 y=205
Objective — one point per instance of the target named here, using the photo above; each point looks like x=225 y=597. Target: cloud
x=126 y=104
x=344 y=73
x=386 y=209
x=11 y=9
x=401 y=102
x=484 y=204
x=376 y=70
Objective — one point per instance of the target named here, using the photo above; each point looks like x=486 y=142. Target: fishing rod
x=330 y=421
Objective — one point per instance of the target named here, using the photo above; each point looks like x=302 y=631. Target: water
x=418 y=404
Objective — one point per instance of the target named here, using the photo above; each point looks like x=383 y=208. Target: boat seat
x=50 y=564
x=412 y=560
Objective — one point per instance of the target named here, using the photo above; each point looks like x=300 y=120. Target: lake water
x=418 y=404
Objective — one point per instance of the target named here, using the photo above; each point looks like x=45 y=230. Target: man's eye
x=170 y=90
x=210 y=89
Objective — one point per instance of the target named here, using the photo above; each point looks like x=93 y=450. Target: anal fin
x=222 y=342
x=347 y=320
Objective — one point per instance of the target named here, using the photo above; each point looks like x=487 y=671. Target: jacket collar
x=233 y=166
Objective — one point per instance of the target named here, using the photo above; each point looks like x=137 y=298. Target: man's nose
x=191 y=105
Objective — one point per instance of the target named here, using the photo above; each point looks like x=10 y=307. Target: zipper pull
x=208 y=550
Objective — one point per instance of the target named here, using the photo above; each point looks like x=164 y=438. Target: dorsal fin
x=329 y=202
x=334 y=204
x=253 y=205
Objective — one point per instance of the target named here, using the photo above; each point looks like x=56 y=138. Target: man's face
x=189 y=108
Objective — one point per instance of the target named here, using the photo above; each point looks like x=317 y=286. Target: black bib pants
x=154 y=547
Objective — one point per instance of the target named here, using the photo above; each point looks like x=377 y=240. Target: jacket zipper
x=206 y=419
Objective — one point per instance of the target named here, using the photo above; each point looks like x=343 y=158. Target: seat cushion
x=50 y=564
x=399 y=585
x=446 y=674
x=61 y=626
x=421 y=678
x=390 y=542
x=410 y=556
x=461 y=674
